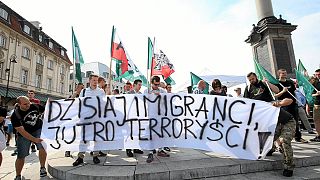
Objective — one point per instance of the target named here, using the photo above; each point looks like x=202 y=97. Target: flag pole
x=110 y=66
x=271 y=92
x=148 y=68
x=73 y=63
x=290 y=93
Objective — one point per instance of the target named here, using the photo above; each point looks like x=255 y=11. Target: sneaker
x=91 y=153
x=15 y=152
x=138 y=151
x=18 y=177
x=287 y=173
x=315 y=139
x=33 y=148
x=302 y=140
x=43 y=172
x=78 y=162
x=154 y=151
x=150 y=158
x=96 y=160
x=167 y=149
x=67 y=154
x=311 y=132
x=102 y=154
x=129 y=152
x=7 y=144
x=162 y=153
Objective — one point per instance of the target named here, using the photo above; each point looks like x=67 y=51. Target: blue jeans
x=23 y=144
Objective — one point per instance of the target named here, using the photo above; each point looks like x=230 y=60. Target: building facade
x=30 y=60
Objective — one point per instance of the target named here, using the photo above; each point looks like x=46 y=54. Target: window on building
x=62 y=69
x=26 y=29
x=4 y=14
x=24 y=76
x=40 y=38
x=61 y=87
x=62 y=52
x=50 y=64
x=38 y=81
x=1 y=69
x=3 y=41
x=71 y=76
x=50 y=45
x=39 y=59
x=26 y=52
x=70 y=88
x=49 y=84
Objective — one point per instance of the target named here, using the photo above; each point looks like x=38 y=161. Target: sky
x=199 y=36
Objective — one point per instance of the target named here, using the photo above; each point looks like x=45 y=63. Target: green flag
x=169 y=80
x=77 y=56
x=194 y=83
x=263 y=73
x=132 y=73
x=150 y=53
x=307 y=86
x=302 y=69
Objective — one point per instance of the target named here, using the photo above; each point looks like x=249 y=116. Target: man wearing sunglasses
x=157 y=90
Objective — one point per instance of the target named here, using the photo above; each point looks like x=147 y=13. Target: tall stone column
x=264 y=9
x=271 y=40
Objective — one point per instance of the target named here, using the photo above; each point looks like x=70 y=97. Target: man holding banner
x=27 y=120
x=287 y=89
x=92 y=90
x=155 y=89
x=286 y=124
x=136 y=90
x=284 y=133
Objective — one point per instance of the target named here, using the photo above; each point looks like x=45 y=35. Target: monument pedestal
x=272 y=45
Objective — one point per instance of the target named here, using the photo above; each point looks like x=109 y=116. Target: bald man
x=200 y=88
x=26 y=119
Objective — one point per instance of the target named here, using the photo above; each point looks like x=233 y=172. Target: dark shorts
x=23 y=144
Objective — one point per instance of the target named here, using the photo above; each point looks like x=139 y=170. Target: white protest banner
x=236 y=127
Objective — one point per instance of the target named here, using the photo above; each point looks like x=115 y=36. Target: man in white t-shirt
x=92 y=90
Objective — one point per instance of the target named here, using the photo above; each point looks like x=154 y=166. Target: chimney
x=36 y=24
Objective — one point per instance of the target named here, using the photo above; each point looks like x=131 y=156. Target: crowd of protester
x=24 y=121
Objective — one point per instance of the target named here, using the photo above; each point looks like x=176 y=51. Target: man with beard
x=258 y=90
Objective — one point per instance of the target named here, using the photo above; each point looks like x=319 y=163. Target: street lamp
x=12 y=60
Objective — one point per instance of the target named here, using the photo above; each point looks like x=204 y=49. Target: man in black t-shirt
x=3 y=114
x=285 y=86
x=27 y=120
x=283 y=135
x=258 y=90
